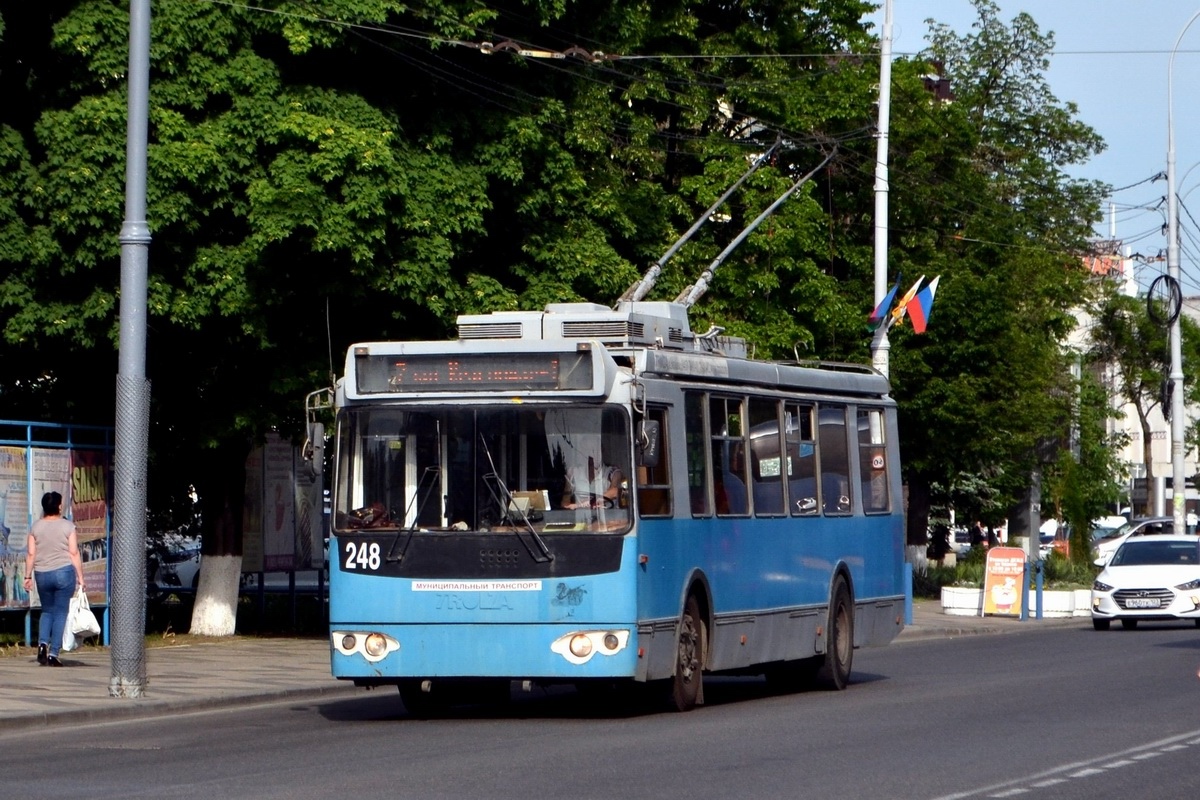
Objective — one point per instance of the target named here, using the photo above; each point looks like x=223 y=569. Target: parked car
x=173 y=564
x=1149 y=577
x=308 y=581
x=1107 y=544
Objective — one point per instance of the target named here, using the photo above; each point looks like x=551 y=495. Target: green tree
x=1086 y=478
x=1134 y=350
x=982 y=199
x=318 y=181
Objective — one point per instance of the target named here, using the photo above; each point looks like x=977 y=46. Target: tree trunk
x=215 y=610
x=1147 y=462
x=222 y=492
x=917 y=523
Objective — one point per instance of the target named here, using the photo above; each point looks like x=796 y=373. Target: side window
x=654 y=473
x=801 y=459
x=697 y=458
x=726 y=433
x=766 y=457
x=872 y=460
x=835 y=460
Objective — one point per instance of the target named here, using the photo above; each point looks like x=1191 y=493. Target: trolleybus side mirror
x=649 y=441
x=314 y=449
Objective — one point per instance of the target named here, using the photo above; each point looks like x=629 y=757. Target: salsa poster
x=90 y=479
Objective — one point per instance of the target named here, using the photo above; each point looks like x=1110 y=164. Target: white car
x=1104 y=545
x=1152 y=577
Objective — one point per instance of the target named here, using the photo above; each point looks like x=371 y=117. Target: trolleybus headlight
x=376 y=645
x=371 y=645
x=578 y=647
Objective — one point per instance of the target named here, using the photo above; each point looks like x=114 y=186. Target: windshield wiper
x=433 y=471
x=501 y=494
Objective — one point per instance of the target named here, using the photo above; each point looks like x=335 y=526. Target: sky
x=1111 y=59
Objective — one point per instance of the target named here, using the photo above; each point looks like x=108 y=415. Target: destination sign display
x=474 y=372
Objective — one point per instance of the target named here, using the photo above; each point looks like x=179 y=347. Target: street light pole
x=1178 y=479
x=128 y=602
x=879 y=344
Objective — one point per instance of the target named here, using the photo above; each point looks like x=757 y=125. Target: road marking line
x=1087 y=768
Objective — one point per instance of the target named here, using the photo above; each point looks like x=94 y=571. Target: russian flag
x=921 y=306
x=885 y=305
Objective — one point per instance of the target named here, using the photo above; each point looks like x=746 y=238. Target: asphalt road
x=1059 y=713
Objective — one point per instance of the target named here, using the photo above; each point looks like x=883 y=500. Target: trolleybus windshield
x=478 y=469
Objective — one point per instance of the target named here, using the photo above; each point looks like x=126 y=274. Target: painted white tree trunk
x=215 y=611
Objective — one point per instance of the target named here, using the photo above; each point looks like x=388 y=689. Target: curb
x=147 y=708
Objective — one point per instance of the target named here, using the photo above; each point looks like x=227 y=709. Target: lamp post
x=1178 y=479
x=128 y=603
x=880 y=345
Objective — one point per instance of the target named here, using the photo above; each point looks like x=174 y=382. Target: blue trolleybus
x=592 y=496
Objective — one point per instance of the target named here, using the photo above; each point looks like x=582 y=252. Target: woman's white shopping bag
x=81 y=622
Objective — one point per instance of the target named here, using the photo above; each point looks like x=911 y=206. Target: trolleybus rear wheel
x=689 y=659
x=839 y=636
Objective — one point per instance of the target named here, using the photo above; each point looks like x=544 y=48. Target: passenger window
x=697 y=459
x=766 y=457
x=835 y=462
x=872 y=460
x=725 y=423
x=801 y=460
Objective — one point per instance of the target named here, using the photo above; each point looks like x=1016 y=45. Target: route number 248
x=362 y=555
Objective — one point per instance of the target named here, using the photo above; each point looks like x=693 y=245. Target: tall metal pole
x=1178 y=479
x=880 y=345
x=128 y=602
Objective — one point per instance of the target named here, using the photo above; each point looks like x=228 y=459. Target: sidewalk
x=244 y=670
x=207 y=674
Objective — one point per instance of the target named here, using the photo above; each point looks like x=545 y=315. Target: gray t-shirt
x=51 y=535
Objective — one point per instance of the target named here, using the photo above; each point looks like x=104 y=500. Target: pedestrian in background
x=53 y=561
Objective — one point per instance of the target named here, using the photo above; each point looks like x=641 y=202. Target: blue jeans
x=55 y=589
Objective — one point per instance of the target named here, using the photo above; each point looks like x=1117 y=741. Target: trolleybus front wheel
x=689 y=660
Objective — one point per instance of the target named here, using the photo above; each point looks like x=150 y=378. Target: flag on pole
x=921 y=306
x=902 y=306
x=885 y=305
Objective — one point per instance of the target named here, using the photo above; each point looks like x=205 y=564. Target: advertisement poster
x=310 y=539
x=14 y=527
x=252 y=514
x=279 y=519
x=90 y=472
x=1002 y=578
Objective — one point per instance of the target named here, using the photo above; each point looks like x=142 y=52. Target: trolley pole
x=128 y=601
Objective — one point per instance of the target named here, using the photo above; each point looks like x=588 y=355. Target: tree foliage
x=368 y=169
x=989 y=208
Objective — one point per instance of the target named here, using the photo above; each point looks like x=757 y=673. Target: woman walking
x=53 y=560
